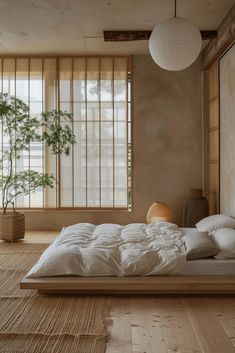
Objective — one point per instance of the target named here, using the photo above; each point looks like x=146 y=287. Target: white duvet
x=113 y=250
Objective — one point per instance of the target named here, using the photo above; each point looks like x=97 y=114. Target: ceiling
x=76 y=26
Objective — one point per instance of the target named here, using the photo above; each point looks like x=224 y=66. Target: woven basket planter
x=12 y=226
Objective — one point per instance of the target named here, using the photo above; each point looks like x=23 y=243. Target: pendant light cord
x=175 y=9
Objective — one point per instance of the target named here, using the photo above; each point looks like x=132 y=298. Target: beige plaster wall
x=167 y=146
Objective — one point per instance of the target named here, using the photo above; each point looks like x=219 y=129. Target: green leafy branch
x=20 y=129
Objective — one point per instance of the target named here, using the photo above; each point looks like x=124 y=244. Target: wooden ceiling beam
x=124 y=36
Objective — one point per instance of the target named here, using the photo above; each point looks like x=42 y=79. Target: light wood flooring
x=164 y=325
x=152 y=324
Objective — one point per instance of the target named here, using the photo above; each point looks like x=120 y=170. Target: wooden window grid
x=97 y=91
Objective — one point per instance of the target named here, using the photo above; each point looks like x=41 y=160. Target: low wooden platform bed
x=132 y=285
x=159 y=258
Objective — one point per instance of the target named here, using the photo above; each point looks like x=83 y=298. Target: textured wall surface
x=227 y=133
x=167 y=146
x=167 y=133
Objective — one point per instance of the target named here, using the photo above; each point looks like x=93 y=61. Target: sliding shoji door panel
x=213 y=138
x=227 y=132
x=34 y=81
x=95 y=91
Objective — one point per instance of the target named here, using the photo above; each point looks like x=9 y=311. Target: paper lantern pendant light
x=175 y=44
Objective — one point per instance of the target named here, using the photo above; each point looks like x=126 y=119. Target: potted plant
x=19 y=128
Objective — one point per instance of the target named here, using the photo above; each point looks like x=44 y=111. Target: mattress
x=209 y=267
x=186 y=231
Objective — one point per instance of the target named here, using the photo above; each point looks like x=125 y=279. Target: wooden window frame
x=129 y=130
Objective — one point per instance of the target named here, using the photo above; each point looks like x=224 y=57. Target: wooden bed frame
x=132 y=285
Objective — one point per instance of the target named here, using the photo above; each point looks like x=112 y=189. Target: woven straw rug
x=30 y=323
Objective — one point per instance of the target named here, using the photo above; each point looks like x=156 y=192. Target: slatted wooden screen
x=212 y=116
x=96 y=90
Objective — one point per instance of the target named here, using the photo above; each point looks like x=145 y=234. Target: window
x=96 y=90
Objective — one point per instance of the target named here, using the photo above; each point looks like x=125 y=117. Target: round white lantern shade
x=175 y=44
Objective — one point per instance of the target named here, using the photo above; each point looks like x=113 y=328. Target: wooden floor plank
x=166 y=325
x=157 y=325
x=178 y=330
x=211 y=336
x=119 y=326
x=147 y=331
x=225 y=311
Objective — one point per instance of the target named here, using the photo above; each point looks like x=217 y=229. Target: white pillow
x=224 y=238
x=199 y=245
x=212 y=223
